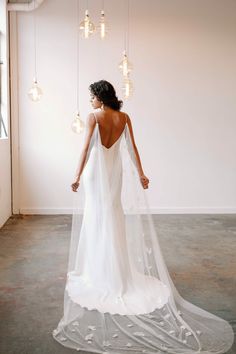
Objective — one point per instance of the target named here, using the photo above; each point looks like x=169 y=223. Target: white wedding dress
x=119 y=296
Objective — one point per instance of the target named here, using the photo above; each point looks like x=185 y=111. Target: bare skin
x=111 y=125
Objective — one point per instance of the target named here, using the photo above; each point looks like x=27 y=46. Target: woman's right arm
x=90 y=125
x=144 y=180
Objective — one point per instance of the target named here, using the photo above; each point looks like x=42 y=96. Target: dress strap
x=95 y=117
x=126 y=116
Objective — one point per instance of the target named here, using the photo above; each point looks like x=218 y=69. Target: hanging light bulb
x=127 y=87
x=87 y=26
x=77 y=125
x=35 y=92
x=125 y=66
x=102 y=25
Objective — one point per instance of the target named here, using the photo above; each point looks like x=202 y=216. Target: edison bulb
x=35 y=92
x=127 y=87
x=125 y=66
x=77 y=125
x=102 y=25
x=87 y=26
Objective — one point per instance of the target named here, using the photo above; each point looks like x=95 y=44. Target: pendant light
x=102 y=24
x=77 y=125
x=86 y=26
x=125 y=66
x=35 y=92
x=127 y=87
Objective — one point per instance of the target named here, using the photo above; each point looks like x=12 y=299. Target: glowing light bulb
x=127 y=87
x=87 y=26
x=102 y=25
x=35 y=92
x=77 y=125
x=125 y=66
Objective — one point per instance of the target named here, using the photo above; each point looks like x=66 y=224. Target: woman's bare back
x=110 y=125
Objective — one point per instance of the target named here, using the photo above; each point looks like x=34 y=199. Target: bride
x=119 y=296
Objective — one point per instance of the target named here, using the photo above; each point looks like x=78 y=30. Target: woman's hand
x=144 y=181
x=75 y=186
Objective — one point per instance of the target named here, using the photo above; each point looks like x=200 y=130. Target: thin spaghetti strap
x=95 y=117
x=126 y=116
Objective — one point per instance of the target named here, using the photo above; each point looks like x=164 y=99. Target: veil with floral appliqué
x=176 y=326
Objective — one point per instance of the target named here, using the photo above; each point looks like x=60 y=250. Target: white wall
x=183 y=109
x=5 y=161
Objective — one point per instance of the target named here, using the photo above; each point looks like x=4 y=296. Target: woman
x=119 y=296
x=111 y=122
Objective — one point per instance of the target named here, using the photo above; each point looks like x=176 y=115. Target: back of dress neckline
x=108 y=148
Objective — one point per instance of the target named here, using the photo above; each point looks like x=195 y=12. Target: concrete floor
x=199 y=251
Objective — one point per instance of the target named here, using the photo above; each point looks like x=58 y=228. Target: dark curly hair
x=106 y=93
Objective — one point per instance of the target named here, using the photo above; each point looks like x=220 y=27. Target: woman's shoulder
x=91 y=119
x=125 y=115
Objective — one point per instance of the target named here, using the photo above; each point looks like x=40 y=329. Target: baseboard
x=163 y=210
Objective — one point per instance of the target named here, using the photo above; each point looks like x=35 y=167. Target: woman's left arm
x=90 y=124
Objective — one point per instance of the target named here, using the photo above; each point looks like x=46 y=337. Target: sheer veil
x=154 y=317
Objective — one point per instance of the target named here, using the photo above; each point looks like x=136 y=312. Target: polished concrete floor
x=200 y=252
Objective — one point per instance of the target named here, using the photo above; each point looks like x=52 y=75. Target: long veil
x=153 y=317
